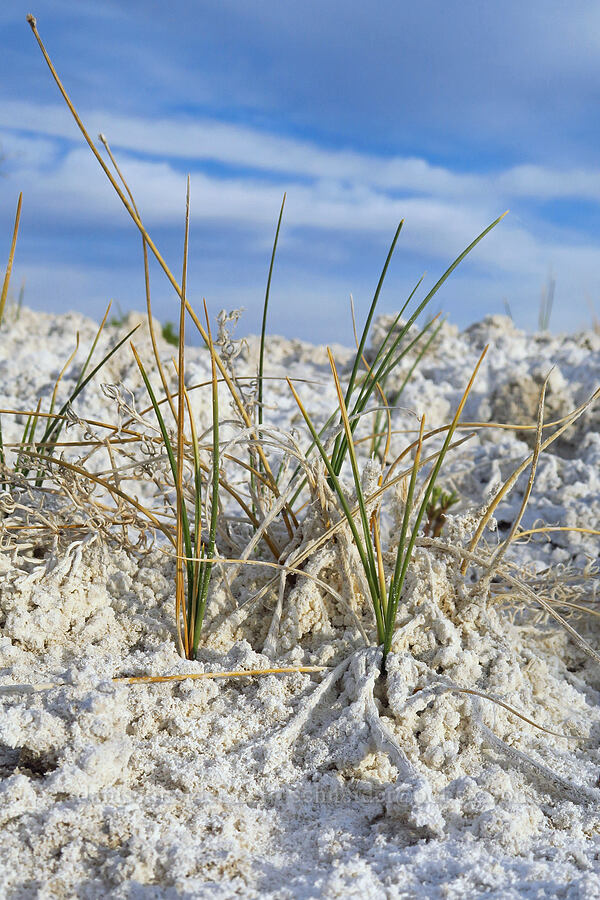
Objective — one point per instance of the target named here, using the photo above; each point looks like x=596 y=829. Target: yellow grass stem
x=180 y=601
x=199 y=676
x=153 y=341
x=11 y=257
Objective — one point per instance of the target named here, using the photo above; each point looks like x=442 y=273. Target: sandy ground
x=313 y=785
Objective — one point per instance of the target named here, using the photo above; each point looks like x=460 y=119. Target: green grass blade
x=197 y=506
x=363 y=340
x=382 y=346
x=31 y=436
x=171 y=457
x=372 y=573
x=405 y=556
x=365 y=394
x=373 y=587
x=371 y=313
x=93 y=347
x=23 y=444
x=261 y=357
x=398 y=393
x=379 y=376
x=394 y=592
x=261 y=354
x=214 y=511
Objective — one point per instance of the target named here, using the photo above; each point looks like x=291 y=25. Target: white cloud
x=207 y=140
x=332 y=194
x=538 y=182
x=75 y=191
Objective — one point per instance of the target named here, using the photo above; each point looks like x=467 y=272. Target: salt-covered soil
x=273 y=786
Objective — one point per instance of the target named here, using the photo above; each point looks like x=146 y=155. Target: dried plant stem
x=199 y=676
x=153 y=341
x=501 y=551
x=180 y=604
x=511 y=480
x=11 y=257
x=162 y=679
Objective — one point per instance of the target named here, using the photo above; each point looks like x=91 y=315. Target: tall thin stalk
x=11 y=257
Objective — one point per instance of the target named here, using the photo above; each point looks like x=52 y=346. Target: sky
x=444 y=114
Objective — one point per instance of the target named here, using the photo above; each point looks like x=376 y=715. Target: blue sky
x=444 y=114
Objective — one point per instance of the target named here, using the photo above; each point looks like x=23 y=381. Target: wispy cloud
x=442 y=119
x=242 y=147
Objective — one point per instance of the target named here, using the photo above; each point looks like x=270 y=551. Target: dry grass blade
x=515 y=712
x=199 y=676
x=11 y=257
x=151 y=330
x=550 y=528
x=162 y=679
x=180 y=604
x=511 y=480
x=500 y=552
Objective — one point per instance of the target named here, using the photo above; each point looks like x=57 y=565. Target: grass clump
x=270 y=498
x=304 y=504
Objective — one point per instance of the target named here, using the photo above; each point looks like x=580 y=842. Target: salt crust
x=227 y=788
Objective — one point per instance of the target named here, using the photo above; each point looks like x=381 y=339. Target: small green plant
x=194 y=556
x=364 y=382
x=546 y=303
x=169 y=334
x=438 y=506
x=116 y=321
x=43 y=449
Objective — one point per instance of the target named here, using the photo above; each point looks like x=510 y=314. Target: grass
x=271 y=501
x=169 y=334
x=198 y=556
x=385 y=595
x=307 y=510
x=437 y=508
x=11 y=256
x=295 y=499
